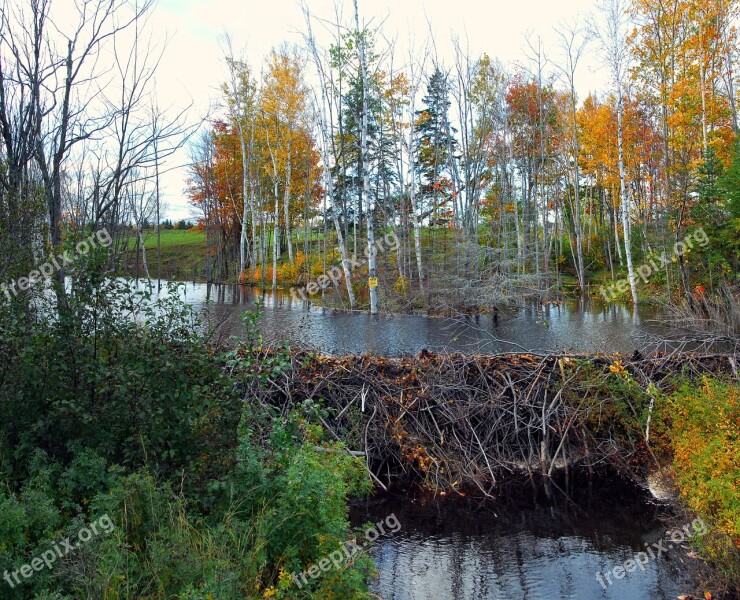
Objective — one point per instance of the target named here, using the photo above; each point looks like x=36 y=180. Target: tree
x=372 y=271
x=573 y=43
x=730 y=184
x=76 y=96
x=240 y=94
x=284 y=105
x=435 y=144
x=613 y=34
x=325 y=113
x=54 y=99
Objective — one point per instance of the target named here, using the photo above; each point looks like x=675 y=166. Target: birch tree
x=240 y=93
x=372 y=270
x=573 y=43
x=613 y=32
x=416 y=72
x=324 y=114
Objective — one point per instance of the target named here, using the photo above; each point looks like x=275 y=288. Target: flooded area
x=574 y=325
x=521 y=546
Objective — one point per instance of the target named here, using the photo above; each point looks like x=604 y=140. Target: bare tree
x=142 y=207
x=613 y=31
x=573 y=43
x=324 y=112
x=60 y=85
x=415 y=77
x=142 y=134
x=372 y=272
x=62 y=102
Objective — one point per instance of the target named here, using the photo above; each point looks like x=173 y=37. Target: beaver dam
x=472 y=422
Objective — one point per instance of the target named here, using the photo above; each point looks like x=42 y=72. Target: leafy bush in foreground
x=705 y=438
x=114 y=406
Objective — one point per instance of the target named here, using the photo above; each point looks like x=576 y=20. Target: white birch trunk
x=624 y=197
x=328 y=182
x=372 y=272
x=286 y=202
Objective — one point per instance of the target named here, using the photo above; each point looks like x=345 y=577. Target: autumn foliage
x=705 y=436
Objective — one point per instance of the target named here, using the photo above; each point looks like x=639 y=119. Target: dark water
x=585 y=326
x=450 y=548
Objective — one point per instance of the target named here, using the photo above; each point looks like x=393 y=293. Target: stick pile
x=455 y=421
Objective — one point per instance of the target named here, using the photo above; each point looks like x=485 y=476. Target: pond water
x=462 y=549
x=577 y=325
x=519 y=547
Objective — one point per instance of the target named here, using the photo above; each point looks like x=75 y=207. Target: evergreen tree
x=436 y=143
x=729 y=235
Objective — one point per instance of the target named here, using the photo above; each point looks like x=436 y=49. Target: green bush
x=114 y=405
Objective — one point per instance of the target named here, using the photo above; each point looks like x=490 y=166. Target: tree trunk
x=143 y=254
x=366 y=168
x=286 y=204
x=624 y=197
x=245 y=203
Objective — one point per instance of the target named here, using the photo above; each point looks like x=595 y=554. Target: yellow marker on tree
x=373 y=282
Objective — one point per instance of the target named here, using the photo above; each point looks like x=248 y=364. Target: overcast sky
x=192 y=67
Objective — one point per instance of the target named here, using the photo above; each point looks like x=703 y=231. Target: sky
x=192 y=67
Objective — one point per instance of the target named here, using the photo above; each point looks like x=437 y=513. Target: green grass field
x=183 y=254
x=172 y=238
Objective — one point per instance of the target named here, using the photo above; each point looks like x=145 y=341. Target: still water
x=577 y=325
x=522 y=549
x=462 y=549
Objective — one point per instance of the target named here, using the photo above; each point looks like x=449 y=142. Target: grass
x=183 y=254
x=171 y=238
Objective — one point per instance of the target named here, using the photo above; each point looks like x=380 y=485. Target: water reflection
x=454 y=549
x=578 y=325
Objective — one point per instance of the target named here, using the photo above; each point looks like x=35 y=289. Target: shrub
x=705 y=438
x=114 y=405
x=126 y=377
x=402 y=285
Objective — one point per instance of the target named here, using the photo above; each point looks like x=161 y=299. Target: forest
x=498 y=180
x=147 y=452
